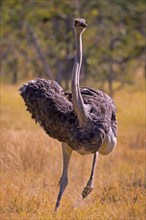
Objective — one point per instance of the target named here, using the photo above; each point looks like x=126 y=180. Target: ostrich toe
x=87 y=191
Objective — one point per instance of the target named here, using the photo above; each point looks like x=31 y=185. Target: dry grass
x=31 y=167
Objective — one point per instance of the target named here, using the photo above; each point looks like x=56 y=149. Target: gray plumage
x=52 y=108
x=84 y=119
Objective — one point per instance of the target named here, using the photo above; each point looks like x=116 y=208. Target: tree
x=39 y=35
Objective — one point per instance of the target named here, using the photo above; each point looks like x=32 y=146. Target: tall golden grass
x=31 y=165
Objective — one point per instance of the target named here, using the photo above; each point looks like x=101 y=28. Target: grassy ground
x=31 y=165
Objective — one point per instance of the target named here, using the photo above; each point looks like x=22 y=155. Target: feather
x=52 y=108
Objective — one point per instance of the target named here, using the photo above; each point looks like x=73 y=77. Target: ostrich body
x=84 y=120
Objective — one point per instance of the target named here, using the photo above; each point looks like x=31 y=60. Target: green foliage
x=114 y=38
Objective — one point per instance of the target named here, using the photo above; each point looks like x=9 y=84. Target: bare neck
x=78 y=103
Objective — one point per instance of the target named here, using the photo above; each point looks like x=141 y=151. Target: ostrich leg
x=89 y=187
x=67 y=151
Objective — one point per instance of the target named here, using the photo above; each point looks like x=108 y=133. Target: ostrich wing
x=53 y=110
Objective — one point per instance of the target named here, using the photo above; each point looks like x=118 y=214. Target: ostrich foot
x=87 y=191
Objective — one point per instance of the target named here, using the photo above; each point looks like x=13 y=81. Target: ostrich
x=84 y=120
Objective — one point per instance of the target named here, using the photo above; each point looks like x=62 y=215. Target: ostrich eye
x=76 y=22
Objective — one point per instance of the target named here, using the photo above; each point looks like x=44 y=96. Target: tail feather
x=24 y=86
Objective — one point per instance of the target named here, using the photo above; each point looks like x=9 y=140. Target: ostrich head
x=79 y=24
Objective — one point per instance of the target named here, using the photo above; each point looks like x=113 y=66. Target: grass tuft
x=31 y=165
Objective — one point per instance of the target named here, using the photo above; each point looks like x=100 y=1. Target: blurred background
x=37 y=40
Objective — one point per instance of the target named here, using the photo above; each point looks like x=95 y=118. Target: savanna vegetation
x=31 y=165
x=37 y=41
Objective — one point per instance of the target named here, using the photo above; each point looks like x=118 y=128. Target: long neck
x=78 y=103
